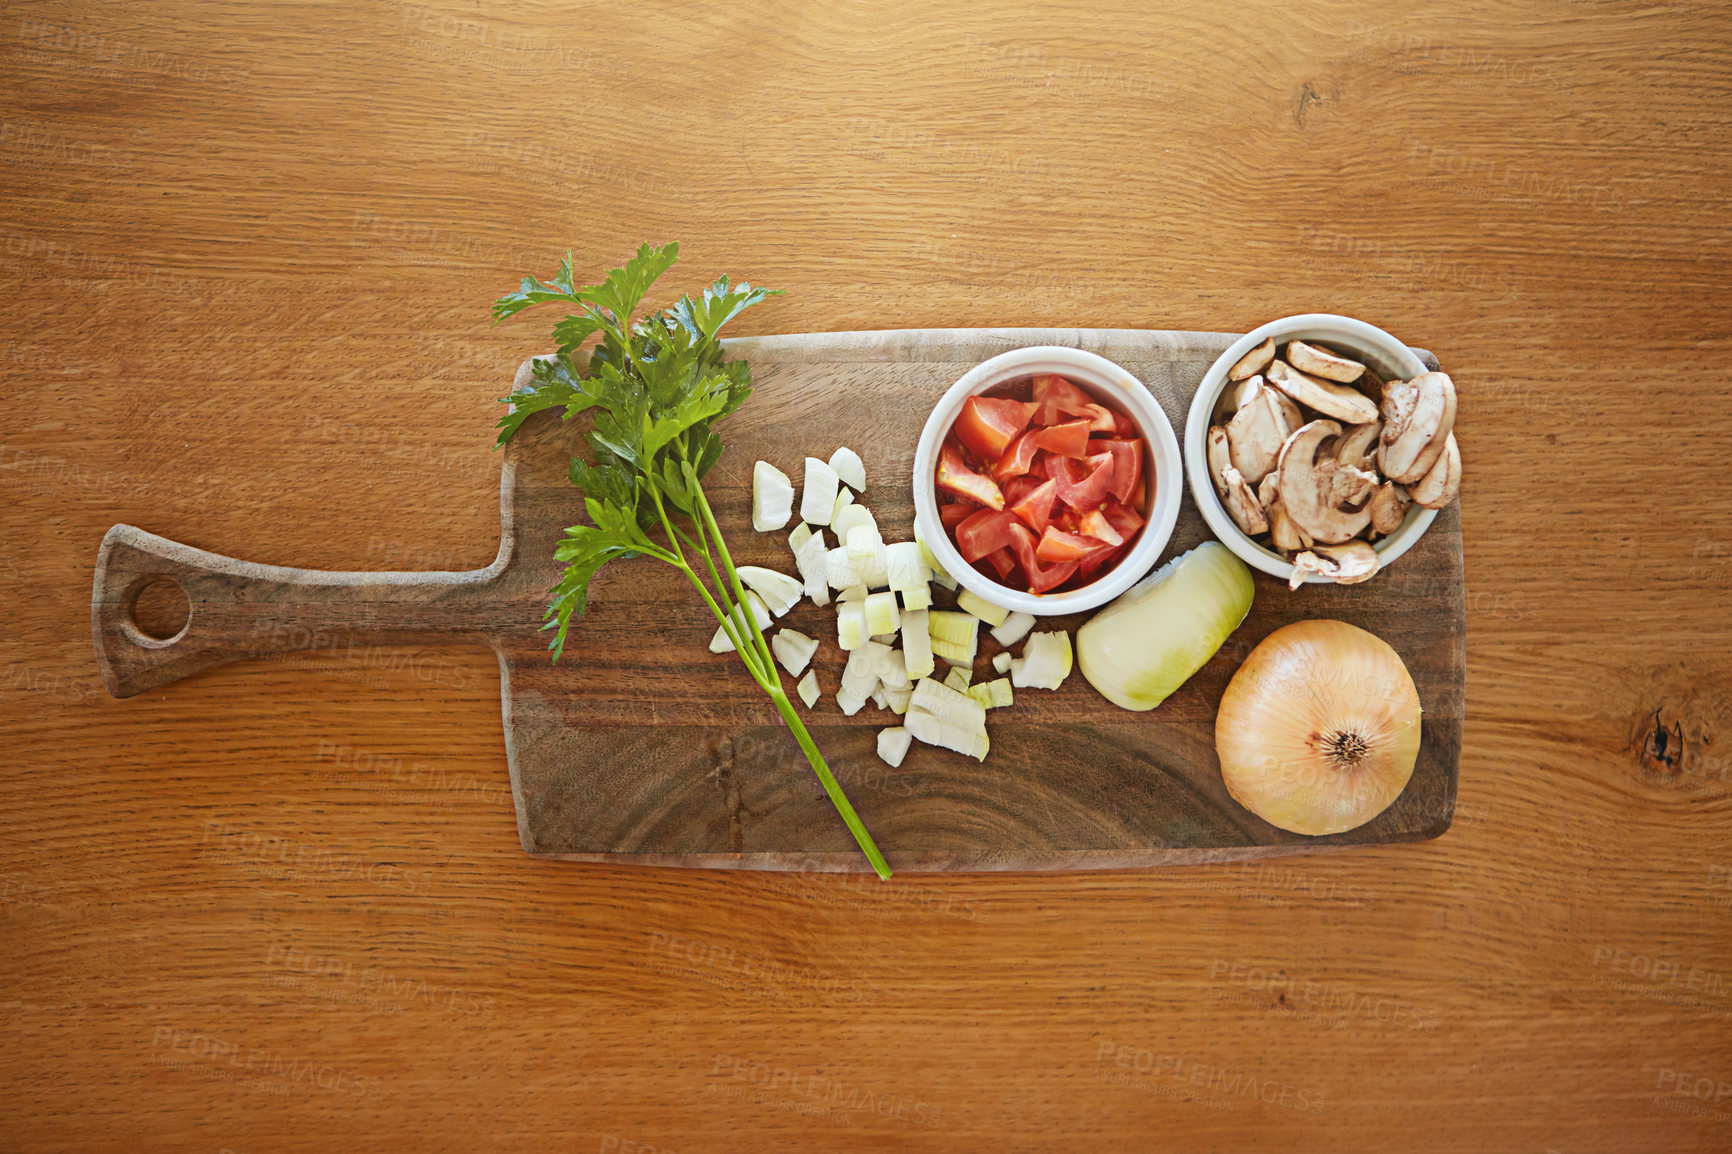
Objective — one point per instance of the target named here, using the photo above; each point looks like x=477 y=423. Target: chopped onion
x=849 y=468
x=793 y=649
x=808 y=687
x=772 y=497
x=881 y=613
x=1001 y=661
x=722 y=643
x=849 y=518
x=919 y=597
x=818 y=499
x=1013 y=629
x=993 y=615
x=893 y=745
x=1045 y=662
x=916 y=644
x=1143 y=646
x=779 y=591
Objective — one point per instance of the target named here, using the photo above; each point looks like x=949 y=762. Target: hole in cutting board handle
x=157 y=611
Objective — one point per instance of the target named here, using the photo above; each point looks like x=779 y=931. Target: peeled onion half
x=1319 y=730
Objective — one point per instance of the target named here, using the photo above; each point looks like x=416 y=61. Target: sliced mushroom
x=1268 y=491
x=1347 y=564
x=1220 y=458
x=1371 y=386
x=1388 y=508
x=1242 y=504
x=1439 y=487
x=1286 y=536
x=1309 y=487
x=1351 y=488
x=1415 y=432
x=1332 y=400
x=1358 y=445
x=1240 y=393
x=1291 y=417
x=1320 y=362
x=1255 y=435
x=1253 y=362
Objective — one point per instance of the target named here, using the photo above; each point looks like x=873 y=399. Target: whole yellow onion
x=1319 y=730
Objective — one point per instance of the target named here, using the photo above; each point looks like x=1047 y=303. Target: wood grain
x=250 y=251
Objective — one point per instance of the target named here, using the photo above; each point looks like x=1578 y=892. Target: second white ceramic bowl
x=1104 y=379
x=1387 y=357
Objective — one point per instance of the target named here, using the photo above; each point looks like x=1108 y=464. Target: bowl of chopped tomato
x=1047 y=480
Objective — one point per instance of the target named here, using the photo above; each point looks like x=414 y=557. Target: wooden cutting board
x=642 y=746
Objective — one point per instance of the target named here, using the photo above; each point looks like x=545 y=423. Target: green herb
x=657 y=386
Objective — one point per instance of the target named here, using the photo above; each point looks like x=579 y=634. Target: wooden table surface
x=249 y=252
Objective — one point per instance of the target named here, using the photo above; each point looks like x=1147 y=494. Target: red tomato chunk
x=1041 y=484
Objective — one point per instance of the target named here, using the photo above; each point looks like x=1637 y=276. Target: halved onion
x=1319 y=730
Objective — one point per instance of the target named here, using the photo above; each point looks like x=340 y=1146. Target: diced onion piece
x=884 y=638
x=839 y=571
x=905 y=566
x=864 y=544
x=929 y=729
x=1014 y=629
x=992 y=694
x=898 y=698
x=849 y=468
x=854 y=515
x=852 y=593
x=1001 y=661
x=851 y=701
x=958 y=678
x=843 y=499
x=861 y=672
x=1045 y=662
x=808 y=687
x=893 y=669
x=722 y=643
x=881 y=613
x=772 y=497
x=893 y=745
x=811 y=559
x=818 y=499
x=850 y=625
x=801 y=534
x=993 y=615
x=954 y=635
x=948 y=705
x=779 y=591
x=916 y=644
x=879 y=699
x=793 y=649
x=919 y=597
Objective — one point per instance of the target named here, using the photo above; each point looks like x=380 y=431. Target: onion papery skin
x=1301 y=689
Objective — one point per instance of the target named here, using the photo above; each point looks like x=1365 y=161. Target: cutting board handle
x=240 y=609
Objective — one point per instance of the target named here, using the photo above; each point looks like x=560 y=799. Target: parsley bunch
x=656 y=386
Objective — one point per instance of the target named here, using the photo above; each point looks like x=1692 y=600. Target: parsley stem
x=828 y=780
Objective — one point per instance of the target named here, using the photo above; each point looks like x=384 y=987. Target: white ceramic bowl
x=1387 y=357
x=1102 y=378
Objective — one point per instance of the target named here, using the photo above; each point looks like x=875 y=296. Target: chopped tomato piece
x=1019 y=458
x=1127 y=426
x=1017 y=489
x=1122 y=518
x=1002 y=561
x=1057 y=545
x=1084 y=486
x=1127 y=466
x=956 y=512
x=1036 y=508
x=1055 y=397
x=1092 y=564
x=1039 y=579
x=988 y=424
x=958 y=478
x=1094 y=524
x=1102 y=419
x=1067 y=440
x=985 y=531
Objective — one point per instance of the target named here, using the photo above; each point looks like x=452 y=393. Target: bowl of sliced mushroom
x=1319 y=448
